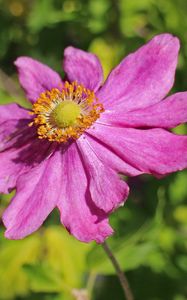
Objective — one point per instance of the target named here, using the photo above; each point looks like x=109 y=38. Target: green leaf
x=180 y=214
x=177 y=189
x=66 y=255
x=43 y=279
x=130 y=253
x=13 y=255
x=129 y=257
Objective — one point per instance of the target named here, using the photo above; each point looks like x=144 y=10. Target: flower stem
x=122 y=278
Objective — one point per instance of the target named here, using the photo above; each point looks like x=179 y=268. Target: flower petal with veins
x=36 y=77
x=79 y=213
x=83 y=67
x=143 y=77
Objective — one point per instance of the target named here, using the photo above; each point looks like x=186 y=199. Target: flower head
x=65 y=114
x=67 y=151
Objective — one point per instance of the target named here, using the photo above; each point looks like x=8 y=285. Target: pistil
x=65 y=114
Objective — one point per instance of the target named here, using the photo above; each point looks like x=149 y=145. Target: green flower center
x=66 y=113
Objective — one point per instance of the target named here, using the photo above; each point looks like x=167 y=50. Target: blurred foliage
x=151 y=229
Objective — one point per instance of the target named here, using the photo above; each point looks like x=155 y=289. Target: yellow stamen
x=65 y=114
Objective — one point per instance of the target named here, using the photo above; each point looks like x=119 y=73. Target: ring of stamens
x=60 y=115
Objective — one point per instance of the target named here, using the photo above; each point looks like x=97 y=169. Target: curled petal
x=142 y=78
x=36 y=77
x=78 y=213
x=83 y=67
x=166 y=114
x=107 y=190
x=152 y=151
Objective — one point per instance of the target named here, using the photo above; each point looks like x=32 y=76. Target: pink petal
x=13 y=121
x=20 y=149
x=12 y=111
x=10 y=170
x=83 y=67
x=166 y=114
x=36 y=77
x=37 y=194
x=110 y=158
x=107 y=190
x=154 y=151
x=14 y=134
x=142 y=78
x=78 y=212
x=19 y=159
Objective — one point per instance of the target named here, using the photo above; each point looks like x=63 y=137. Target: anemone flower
x=69 y=149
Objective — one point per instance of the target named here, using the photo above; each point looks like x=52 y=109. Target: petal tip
x=69 y=49
x=20 y=60
x=167 y=39
x=9 y=235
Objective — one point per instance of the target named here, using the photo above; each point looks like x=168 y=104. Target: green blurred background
x=151 y=230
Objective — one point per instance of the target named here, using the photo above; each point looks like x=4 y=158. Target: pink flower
x=68 y=152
